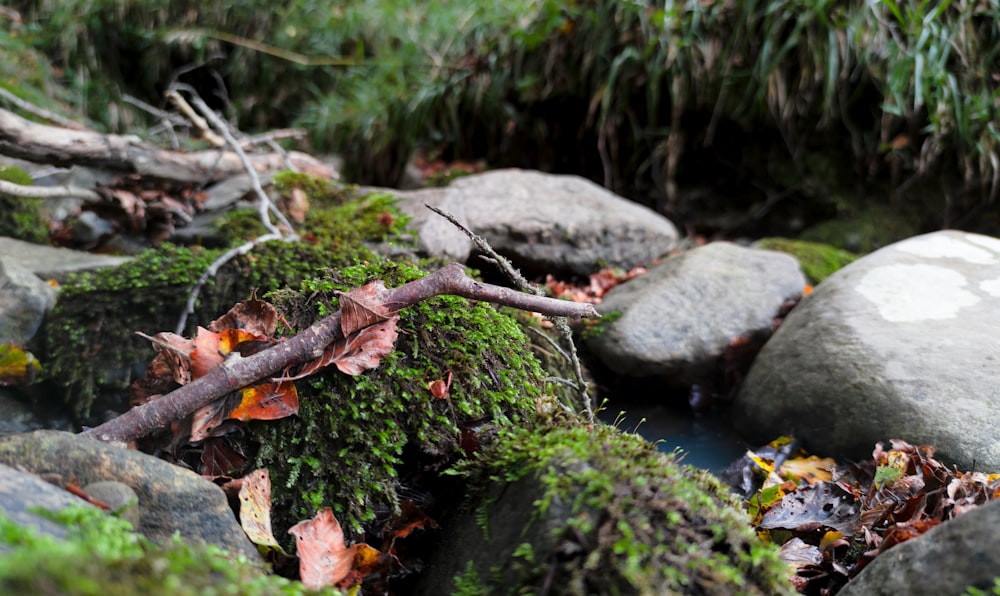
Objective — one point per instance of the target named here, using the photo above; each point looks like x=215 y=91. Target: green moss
x=864 y=230
x=638 y=521
x=818 y=261
x=88 y=344
x=101 y=556
x=354 y=436
x=594 y=328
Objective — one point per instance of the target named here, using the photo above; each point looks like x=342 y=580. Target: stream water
x=708 y=439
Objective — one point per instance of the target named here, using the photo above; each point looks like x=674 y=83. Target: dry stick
x=237 y=372
x=558 y=320
x=46 y=192
x=264 y=203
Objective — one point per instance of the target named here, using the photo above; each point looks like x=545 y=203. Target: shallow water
x=707 y=439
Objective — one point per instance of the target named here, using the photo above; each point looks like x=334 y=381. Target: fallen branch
x=53 y=145
x=237 y=372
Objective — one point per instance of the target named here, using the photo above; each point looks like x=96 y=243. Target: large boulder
x=544 y=222
x=902 y=343
x=677 y=319
x=170 y=499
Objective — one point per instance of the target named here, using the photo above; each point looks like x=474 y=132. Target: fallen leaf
x=267 y=401
x=17 y=365
x=255 y=509
x=324 y=558
x=363 y=306
x=355 y=353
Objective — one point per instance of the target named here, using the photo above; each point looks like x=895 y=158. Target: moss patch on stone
x=103 y=557
x=629 y=520
x=818 y=261
x=358 y=441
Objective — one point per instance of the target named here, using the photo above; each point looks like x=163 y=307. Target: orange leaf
x=255 y=508
x=267 y=401
x=324 y=559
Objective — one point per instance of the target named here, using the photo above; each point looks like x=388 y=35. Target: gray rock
x=15 y=417
x=24 y=301
x=560 y=223
x=171 y=499
x=120 y=497
x=49 y=262
x=902 y=343
x=22 y=493
x=436 y=235
x=946 y=560
x=679 y=318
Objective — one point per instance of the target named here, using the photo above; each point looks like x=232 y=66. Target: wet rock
x=171 y=499
x=119 y=496
x=946 y=560
x=48 y=262
x=24 y=301
x=902 y=343
x=679 y=318
x=550 y=222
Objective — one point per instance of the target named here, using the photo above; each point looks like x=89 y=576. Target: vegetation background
x=800 y=116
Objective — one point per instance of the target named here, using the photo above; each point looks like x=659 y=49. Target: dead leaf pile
x=832 y=520
x=137 y=206
x=598 y=285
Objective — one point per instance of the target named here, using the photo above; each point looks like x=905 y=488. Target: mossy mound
x=103 y=557
x=818 y=261
x=88 y=345
x=587 y=509
x=359 y=442
x=20 y=217
x=864 y=230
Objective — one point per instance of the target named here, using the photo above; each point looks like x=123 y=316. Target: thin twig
x=40 y=112
x=581 y=385
x=264 y=205
x=47 y=192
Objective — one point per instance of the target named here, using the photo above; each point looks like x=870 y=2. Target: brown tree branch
x=53 y=145
x=239 y=372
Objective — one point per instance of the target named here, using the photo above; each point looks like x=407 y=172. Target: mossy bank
x=586 y=509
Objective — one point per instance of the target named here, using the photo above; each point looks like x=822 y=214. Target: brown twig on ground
x=238 y=372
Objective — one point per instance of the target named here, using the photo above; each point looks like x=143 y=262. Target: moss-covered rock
x=586 y=509
x=359 y=442
x=101 y=556
x=818 y=261
x=866 y=229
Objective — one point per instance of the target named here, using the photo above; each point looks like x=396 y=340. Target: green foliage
x=354 y=437
x=994 y=591
x=640 y=522
x=88 y=340
x=818 y=261
x=103 y=557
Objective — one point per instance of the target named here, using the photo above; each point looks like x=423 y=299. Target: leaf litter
x=831 y=520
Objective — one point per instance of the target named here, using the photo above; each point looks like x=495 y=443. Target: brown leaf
x=218 y=458
x=356 y=353
x=254 y=316
x=324 y=559
x=363 y=306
